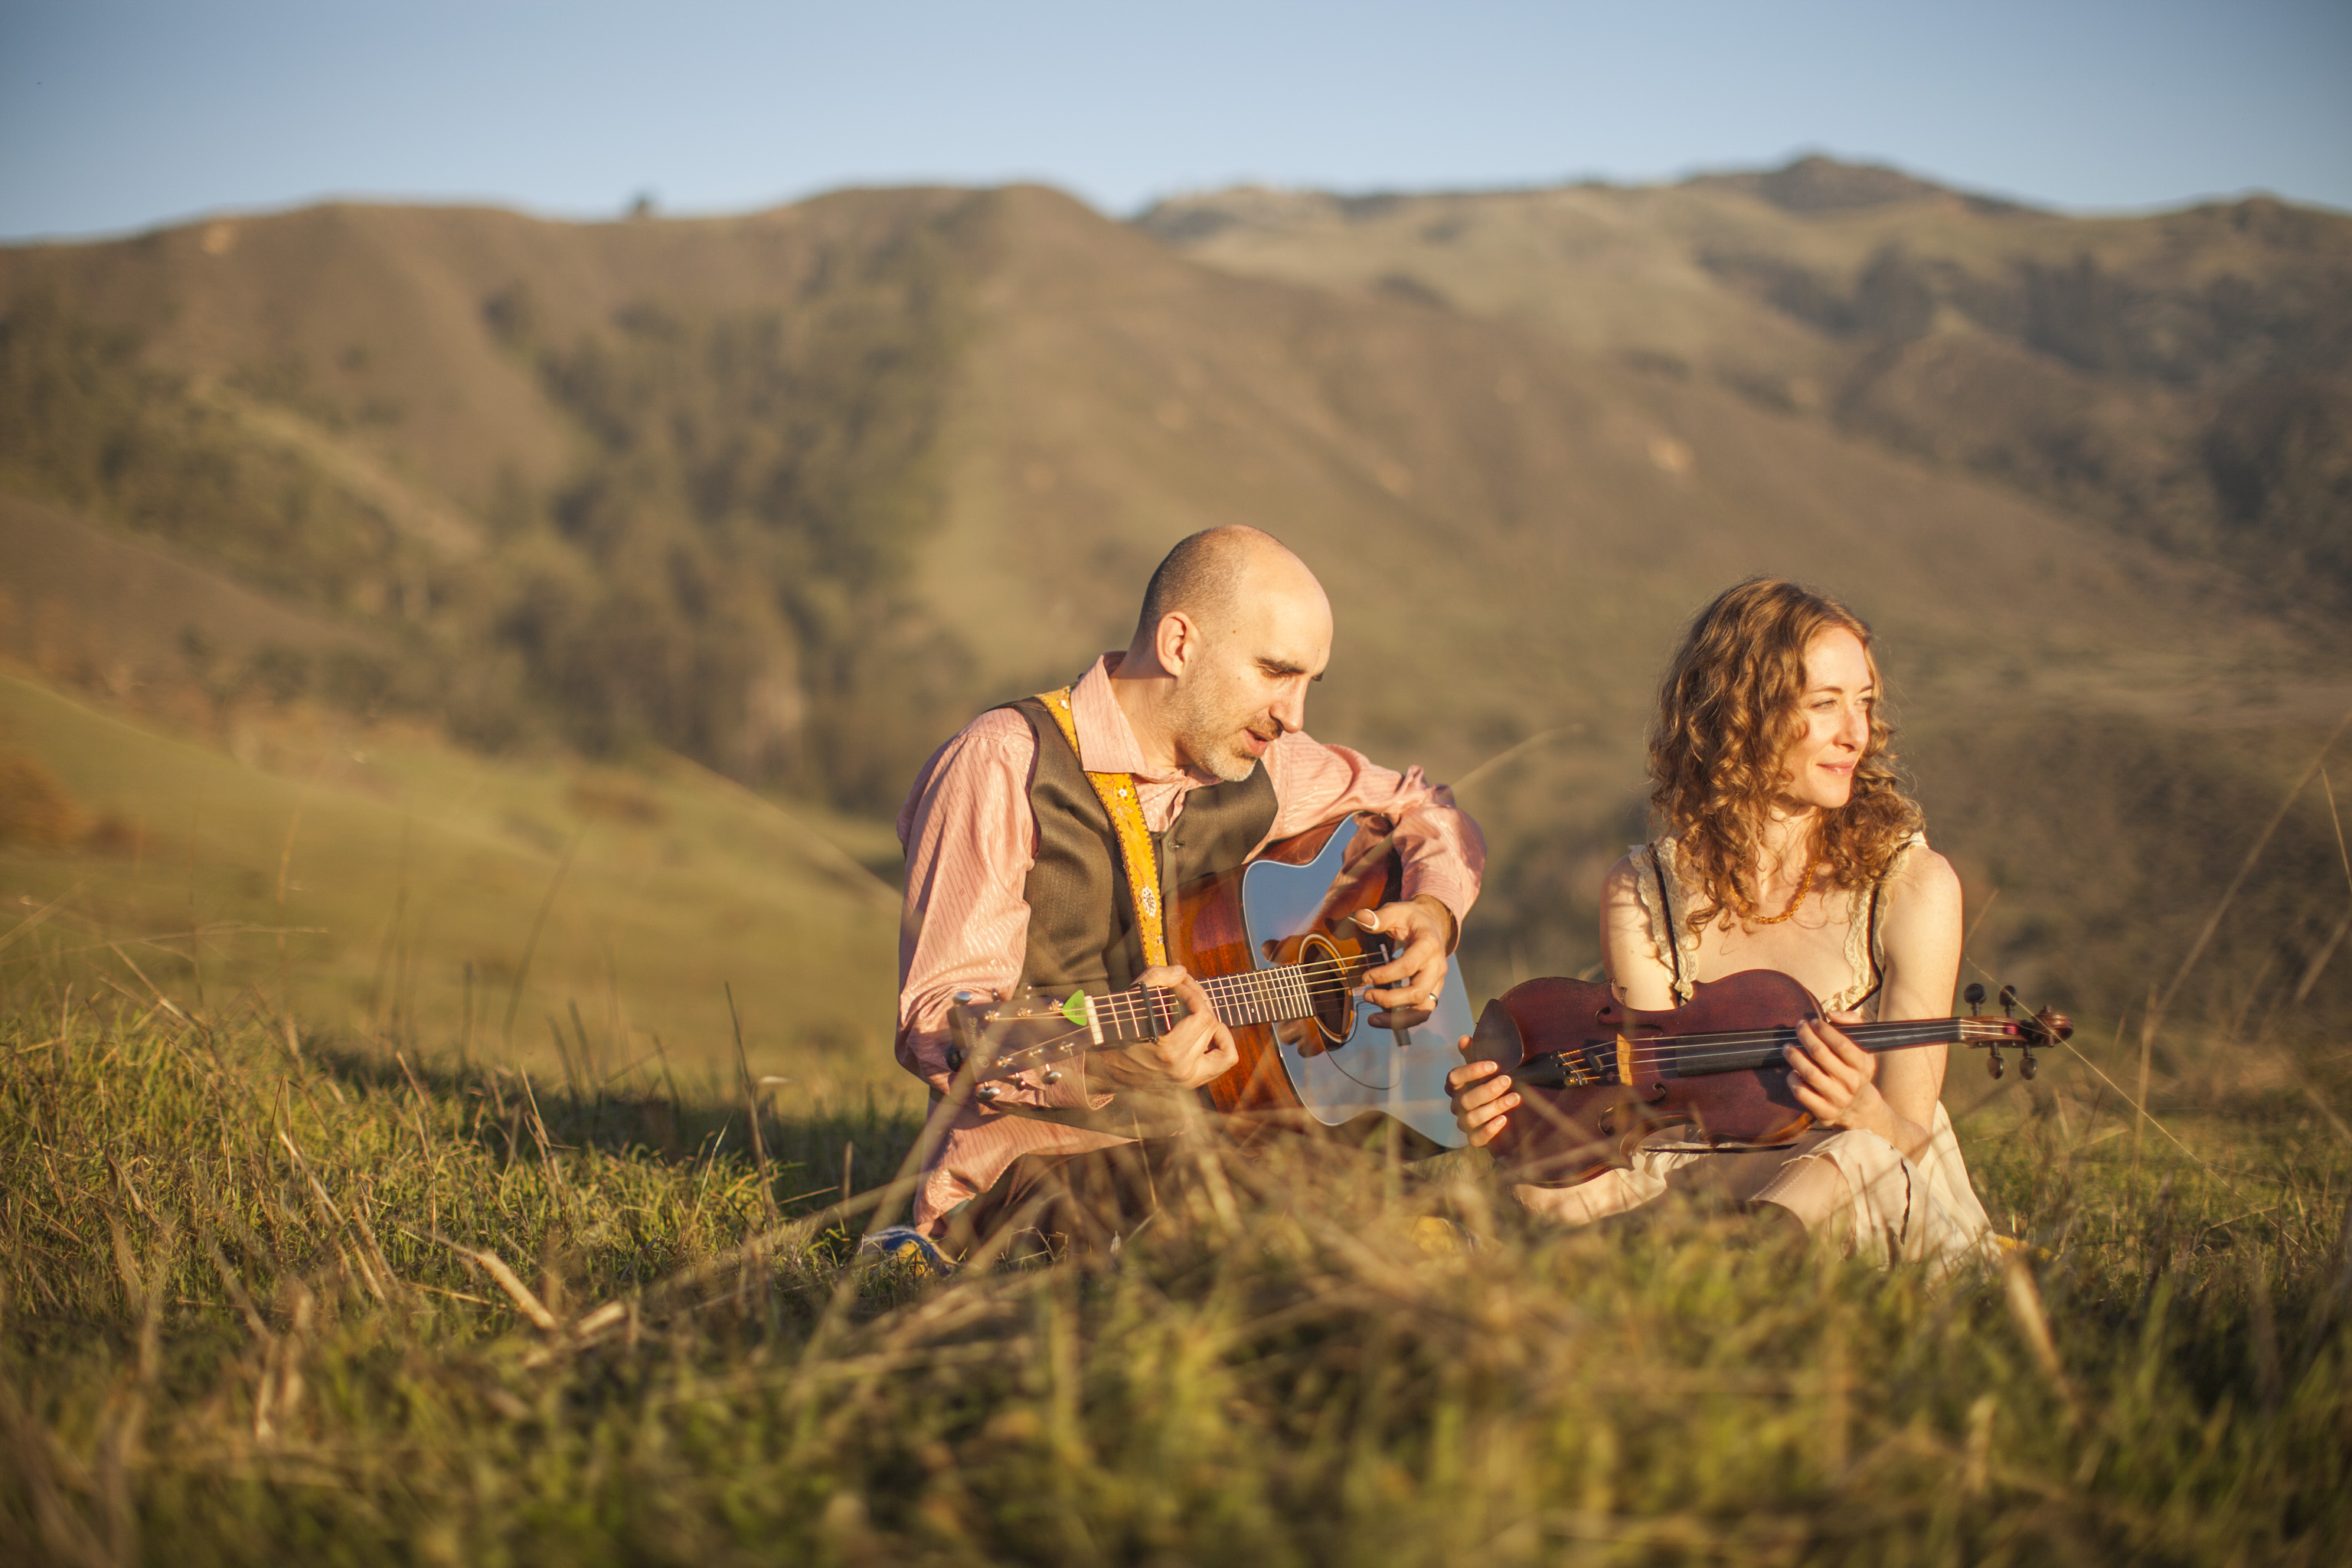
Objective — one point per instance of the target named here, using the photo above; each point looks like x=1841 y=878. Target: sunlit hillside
x=2184 y=375
x=788 y=496
x=374 y=882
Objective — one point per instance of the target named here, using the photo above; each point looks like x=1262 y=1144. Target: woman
x=1792 y=848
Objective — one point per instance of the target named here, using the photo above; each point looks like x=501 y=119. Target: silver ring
x=1433 y=998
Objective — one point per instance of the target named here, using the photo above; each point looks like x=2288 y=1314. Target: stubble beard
x=1207 y=736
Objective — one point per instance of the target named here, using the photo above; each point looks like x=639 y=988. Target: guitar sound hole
x=1328 y=985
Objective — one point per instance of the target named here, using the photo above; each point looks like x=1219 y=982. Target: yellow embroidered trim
x=1116 y=792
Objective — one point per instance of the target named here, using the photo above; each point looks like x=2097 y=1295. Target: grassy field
x=364 y=917
x=378 y=881
x=381 y=1308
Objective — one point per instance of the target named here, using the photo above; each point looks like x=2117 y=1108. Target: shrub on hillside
x=85 y=420
x=33 y=808
x=728 y=571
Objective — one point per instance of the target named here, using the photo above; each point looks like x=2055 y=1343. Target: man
x=1015 y=875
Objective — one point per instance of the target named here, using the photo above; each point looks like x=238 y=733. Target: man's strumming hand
x=1409 y=984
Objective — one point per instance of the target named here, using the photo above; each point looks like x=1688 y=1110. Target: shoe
x=903 y=1244
x=1442 y=1238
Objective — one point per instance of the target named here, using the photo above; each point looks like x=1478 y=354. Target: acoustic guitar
x=1283 y=964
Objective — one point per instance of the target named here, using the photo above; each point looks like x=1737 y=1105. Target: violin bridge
x=1624 y=1061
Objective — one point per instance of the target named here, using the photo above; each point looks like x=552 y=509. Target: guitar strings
x=1240 y=993
x=1285 y=986
x=1290 y=981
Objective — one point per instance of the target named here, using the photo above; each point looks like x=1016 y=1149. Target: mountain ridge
x=2186 y=375
x=794 y=493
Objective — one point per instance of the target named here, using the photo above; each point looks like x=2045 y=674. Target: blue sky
x=114 y=116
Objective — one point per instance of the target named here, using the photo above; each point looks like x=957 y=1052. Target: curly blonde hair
x=1728 y=710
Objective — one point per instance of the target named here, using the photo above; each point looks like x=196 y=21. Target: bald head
x=1208 y=576
x=1234 y=629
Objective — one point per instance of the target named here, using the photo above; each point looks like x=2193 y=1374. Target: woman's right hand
x=1481 y=1092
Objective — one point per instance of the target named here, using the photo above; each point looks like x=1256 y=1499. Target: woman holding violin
x=1792 y=848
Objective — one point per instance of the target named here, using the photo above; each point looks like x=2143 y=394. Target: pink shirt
x=970 y=837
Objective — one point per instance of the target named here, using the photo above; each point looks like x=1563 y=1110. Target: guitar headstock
x=993 y=1038
x=2033 y=1032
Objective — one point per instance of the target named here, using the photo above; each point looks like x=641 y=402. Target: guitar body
x=1291 y=906
x=1572 y=1131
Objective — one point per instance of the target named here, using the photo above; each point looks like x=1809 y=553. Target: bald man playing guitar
x=1018 y=878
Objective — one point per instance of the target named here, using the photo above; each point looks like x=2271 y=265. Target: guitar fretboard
x=1261 y=997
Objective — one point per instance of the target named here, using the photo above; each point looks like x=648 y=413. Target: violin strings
x=1788 y=1032
x=1891 y=1035
x=1759 y=1048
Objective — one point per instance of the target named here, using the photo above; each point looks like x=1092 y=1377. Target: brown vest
x=1082 y=928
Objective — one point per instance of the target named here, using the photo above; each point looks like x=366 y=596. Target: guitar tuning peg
x=1052 y=1075
x=989 y=1090
x=963 y=998
x=1974 y=996
x=955 y=1058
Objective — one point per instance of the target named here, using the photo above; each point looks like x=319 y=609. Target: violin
x=1596 y=1078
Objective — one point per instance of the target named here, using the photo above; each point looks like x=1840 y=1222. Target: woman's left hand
x=1832 y=1078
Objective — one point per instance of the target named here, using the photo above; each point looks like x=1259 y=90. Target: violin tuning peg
x=2008 y=998
x=2027 y=1065
x=1993 y=1064
x=1974 y=996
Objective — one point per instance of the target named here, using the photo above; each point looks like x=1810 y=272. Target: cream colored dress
x=1911 y=1210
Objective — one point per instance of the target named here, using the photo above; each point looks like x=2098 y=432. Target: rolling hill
x=790 y=494
x=376 y=883
x=2185 y=376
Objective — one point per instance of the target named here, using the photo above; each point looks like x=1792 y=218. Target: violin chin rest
x=1497 y=1038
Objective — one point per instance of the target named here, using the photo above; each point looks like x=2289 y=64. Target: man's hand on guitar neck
x=1198 y=1051
x=1409 y=982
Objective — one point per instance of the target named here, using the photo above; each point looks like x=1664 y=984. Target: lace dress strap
x=1865 y=954
x=1655 y=875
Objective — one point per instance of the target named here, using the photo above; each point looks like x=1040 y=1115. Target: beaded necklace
x=1805 y=885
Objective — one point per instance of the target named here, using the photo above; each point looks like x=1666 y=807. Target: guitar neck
x=1261 y=997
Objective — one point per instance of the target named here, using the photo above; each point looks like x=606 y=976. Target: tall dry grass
x=274 y=1299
